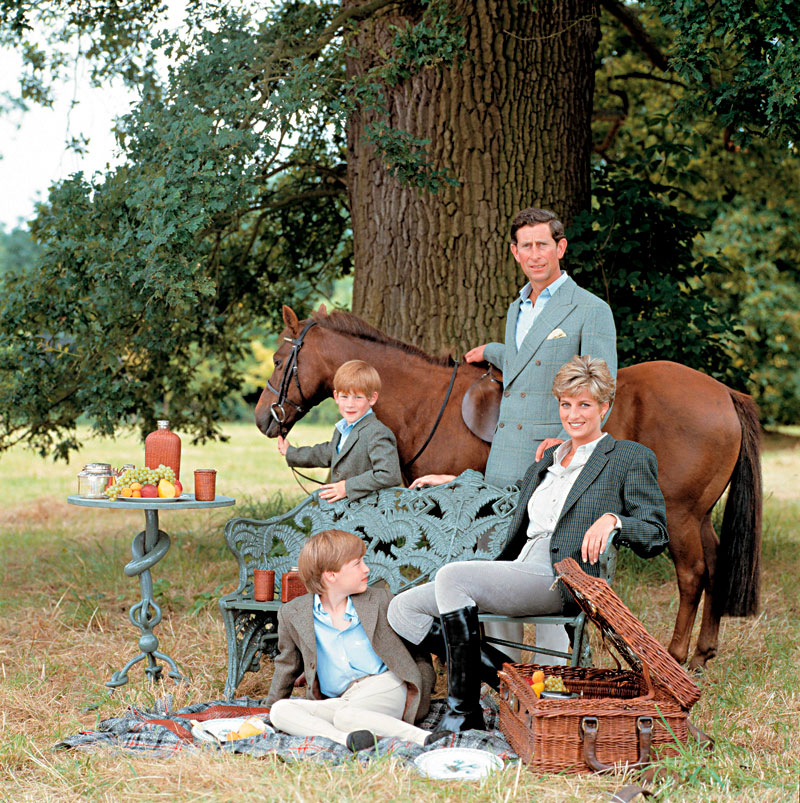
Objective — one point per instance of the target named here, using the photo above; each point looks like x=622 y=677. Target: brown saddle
x=480 y=407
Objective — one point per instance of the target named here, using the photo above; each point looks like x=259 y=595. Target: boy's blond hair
x=357 y=376
x=324 y=552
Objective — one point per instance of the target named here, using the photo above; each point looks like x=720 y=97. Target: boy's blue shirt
x=342 y=655
x=345 y=429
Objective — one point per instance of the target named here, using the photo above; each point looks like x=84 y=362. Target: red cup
x=205 y=484
x=263 y=585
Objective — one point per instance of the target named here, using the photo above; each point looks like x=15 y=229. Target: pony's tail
x=738 y=569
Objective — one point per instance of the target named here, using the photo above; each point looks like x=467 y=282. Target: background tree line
x=392 y=142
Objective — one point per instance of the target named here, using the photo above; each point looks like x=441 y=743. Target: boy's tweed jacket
x=619 y=477
x=368 y=460
x=572 y=322
x=298 y=651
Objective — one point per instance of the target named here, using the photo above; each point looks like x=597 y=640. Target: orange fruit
x=126 y=491
x=538 y=688
x=137 y=494
x=537 y=677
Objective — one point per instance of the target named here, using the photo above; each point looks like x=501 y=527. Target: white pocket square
x=556 y=333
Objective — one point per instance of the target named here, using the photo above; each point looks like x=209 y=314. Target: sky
x=32 y=143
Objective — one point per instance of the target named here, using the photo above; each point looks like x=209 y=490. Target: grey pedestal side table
x=147 y=549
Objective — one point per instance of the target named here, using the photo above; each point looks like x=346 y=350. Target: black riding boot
x=492 y=659
x=462 y=640
x=434 y=641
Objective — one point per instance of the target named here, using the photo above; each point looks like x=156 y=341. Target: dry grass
x=64 y=630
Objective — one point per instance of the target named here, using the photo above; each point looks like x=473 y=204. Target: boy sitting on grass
x=363 y=683
x=362 y=454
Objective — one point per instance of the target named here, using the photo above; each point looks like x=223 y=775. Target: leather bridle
x=290 y=371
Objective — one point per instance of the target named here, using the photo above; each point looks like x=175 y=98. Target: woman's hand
x=596 y=538
x=283 y=445
x=432 y=479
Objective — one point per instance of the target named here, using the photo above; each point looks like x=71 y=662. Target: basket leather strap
x=628 y=793
x=589 y=727
x=702 y=737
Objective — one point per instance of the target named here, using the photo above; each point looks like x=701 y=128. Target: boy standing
x=362 y=454
x=363 y=683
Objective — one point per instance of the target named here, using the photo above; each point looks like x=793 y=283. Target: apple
x=149 y=491
x=166 y=490
x=178 y=488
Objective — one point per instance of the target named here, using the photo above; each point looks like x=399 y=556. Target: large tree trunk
x=512 y=124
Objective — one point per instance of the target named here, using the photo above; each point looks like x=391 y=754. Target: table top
x=184 y=501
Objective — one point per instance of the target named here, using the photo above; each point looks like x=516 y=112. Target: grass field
x=64 y=629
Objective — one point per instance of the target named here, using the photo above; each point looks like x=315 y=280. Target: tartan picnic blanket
x=166 y=732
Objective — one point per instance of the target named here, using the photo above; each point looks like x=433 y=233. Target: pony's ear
x=290 y=319
x=322 y=310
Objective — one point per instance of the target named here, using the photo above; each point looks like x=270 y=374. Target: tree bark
x=512 y=124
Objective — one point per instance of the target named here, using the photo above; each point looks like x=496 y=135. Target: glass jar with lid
x=94 y=479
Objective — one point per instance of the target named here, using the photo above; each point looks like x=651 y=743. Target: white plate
x=458 y=763
x=181 y=498
x=213 y=730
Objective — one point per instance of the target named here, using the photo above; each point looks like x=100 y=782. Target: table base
x=147 y=549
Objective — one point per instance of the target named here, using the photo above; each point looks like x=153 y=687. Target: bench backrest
x=409 y=534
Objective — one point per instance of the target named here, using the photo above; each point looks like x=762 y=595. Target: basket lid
x=626 y=632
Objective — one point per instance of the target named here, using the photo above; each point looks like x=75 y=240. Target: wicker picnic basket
x=619 y=715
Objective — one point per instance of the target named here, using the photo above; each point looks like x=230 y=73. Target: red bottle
x=291 y=585
x=163 y=446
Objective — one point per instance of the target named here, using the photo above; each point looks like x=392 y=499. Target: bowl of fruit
x=146 y=484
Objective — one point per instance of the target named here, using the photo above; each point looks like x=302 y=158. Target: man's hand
x=545 y=445
x=432 y=479
x=476 y=354
x=283 y=445
x=596 y=538
x=333 y=491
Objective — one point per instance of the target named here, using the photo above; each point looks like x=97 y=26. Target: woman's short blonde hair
x=324 y=552
x=585 y=373
x=357 y=376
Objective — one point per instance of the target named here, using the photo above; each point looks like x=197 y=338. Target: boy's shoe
x=436 y=736
x=360 y=740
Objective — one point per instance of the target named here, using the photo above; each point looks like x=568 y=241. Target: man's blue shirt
x=530 y=311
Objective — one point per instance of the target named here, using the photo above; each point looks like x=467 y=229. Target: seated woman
x=569 y=503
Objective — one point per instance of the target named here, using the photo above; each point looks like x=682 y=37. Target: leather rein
x=291 y=372
x=422 y=448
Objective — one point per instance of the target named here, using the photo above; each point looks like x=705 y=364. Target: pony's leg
x=708 y=639
x=690 y=568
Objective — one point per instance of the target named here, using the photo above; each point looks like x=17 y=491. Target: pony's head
x=296 y=384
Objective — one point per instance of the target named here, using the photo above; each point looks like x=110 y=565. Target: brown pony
x=705 y=435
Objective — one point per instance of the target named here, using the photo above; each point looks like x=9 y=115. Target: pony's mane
x=349 y=324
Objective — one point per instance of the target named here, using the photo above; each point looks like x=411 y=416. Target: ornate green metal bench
x=408 y=534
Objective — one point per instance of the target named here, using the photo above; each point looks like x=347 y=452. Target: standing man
x=550 y=322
